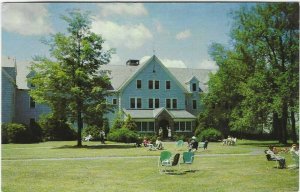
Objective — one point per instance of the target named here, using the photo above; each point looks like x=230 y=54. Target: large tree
x=71 y=82
x=265 y=53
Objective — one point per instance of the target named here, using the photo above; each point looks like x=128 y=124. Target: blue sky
x=178 y=33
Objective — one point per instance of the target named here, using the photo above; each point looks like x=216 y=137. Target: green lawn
x=59 y=166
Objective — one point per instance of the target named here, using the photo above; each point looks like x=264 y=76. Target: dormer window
x=194 y=87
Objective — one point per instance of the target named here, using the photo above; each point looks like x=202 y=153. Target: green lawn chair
x=179 y=144
x=188 y=158
x=296 y=159
x=166 y=160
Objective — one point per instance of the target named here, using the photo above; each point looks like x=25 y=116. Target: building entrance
x=164 y=124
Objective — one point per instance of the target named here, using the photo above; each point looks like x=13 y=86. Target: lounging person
x=275 y=157
x=158 y=144
x=146 y=142
x=295 y=149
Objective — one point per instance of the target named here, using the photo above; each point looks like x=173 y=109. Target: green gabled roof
x=154 y=113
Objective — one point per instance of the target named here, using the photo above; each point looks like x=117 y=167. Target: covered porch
x=149 y=121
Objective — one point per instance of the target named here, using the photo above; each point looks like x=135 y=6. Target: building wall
x=24 y=112
x=8 y=94
x=131 y=91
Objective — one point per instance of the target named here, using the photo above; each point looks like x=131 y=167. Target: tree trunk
x=79 y=124
x=284 y=123
x=276 y=122
x=294 y=134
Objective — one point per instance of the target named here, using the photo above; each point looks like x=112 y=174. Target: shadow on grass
x=174 y=172
x=265 y=144
x=103 y=146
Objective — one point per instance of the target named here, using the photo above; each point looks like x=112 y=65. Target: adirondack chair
x=188 y=158
x=166 y=161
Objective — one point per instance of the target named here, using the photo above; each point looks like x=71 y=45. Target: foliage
x=55 y=130
x=16 y=133
x=73 y=83
x=130 y=124
x=118 y=121
x=209 y=134
x=93 y=131
x=258 y=76
x=123 y=135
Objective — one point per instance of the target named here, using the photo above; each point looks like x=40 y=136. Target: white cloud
x=26 y=18
x=129 y=36
x=183 y=35
x=208 y=64
x=172 y=63
x=115 y=60
x=134 y=9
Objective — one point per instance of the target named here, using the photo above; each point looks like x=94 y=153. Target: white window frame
x=137 y=84
x=145 y=130
x=154 y=82
x=166 y=85
x=183 y=129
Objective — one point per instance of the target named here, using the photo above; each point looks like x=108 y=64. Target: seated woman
x=271 y=151
x=159 y=144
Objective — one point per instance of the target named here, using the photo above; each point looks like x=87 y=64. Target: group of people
x=157 y=146
x=230 y=141
x=273 y=153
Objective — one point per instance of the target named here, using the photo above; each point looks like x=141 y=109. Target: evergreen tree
x=72 y=80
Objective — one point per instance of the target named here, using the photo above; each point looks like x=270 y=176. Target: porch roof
x=154 y=113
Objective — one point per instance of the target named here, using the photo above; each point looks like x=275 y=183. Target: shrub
x=94 y=131
x=118 y=122
x=16 y=133
x=210 y=134
x=56 y=130
x=123 y=135
x=130 y=124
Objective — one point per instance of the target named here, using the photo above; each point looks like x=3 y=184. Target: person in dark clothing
x=275 y=157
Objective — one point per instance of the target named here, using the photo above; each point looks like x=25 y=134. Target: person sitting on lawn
x=294 y=149
x=146 y=142
x=271 y=151
x=159 y=144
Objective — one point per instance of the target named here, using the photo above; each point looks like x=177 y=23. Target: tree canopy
x=71 y=82
x=256 y=86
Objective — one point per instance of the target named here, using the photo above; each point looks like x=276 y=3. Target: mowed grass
x=59 y=166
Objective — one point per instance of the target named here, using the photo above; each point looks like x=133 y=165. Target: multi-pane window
x=150 y=103
x=156 y=84
x=168 y=103
x=138 y=84
x=32 y=102
x=168 y=85
x=194 y=104
x=150 y=84
x=135 y=103
x=194 y=87
x=156 y=103
x=183 y=126
x=132 y=103
x=139 y=103
x=174 y=103
x=145 y=126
